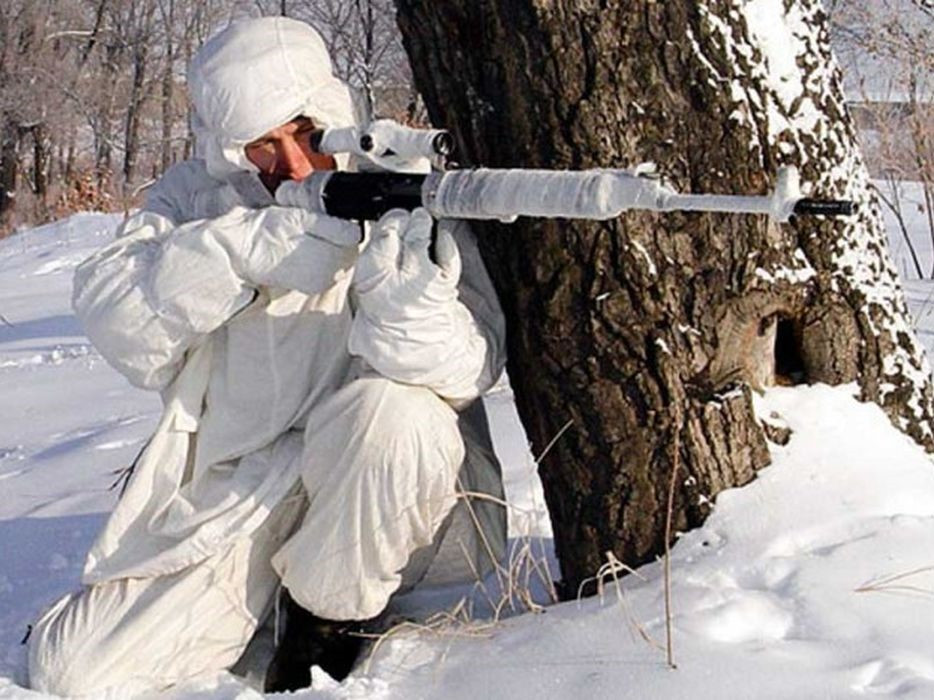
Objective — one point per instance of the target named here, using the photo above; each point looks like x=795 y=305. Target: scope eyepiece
x=443 y=143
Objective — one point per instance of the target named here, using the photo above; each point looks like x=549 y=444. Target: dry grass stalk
x=612 y=569
x=453 y=624
x=515 y=578
x=676 y=450
x=554 y=440
x=892 y=584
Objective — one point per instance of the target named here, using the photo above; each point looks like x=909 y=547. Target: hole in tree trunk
x=789 y=365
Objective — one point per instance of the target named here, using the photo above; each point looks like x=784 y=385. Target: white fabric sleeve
x=476 y=292
x=433 y=339
x=146 y=298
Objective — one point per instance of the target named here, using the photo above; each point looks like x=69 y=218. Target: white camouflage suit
x=318 y=420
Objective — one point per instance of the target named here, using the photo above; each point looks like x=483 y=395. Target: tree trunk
x=139 y=48
x=40 y=161
x=9 y=166
x=134 y=108
x=168 y=115
x=167 y=97
x=637 y=330
x=367 y=28
x=105 y=116
x=69 y=171
x=190 y=34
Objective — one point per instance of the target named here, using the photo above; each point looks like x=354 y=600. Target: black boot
x=309 y=640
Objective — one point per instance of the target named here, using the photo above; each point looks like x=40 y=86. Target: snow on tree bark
x=653 y=324
x=798 y=97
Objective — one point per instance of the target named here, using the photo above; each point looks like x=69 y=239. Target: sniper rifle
x=506 y=194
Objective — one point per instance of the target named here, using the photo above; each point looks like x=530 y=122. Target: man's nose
x=293 y=160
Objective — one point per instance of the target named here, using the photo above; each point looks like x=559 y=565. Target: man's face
x=285 y=153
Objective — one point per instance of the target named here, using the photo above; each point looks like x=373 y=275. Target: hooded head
x=254 y=76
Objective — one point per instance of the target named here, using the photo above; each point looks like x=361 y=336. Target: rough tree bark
x=660 y=324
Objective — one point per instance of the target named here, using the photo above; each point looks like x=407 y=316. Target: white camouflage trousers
x=380 y=468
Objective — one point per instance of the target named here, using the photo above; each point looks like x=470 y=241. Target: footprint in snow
x=746 y=616
x=897 y=674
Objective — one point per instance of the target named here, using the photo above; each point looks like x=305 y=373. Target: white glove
x=290 y=248
x=409 y=325
x=396 y=280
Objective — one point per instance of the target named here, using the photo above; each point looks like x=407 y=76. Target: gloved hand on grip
x=291 y=248
x=396 y=279
x=409 y=324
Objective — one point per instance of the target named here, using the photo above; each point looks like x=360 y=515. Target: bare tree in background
x=366 y=48
x=167 y=88
x=135 y=27
x=887 y=51
x=29 y=53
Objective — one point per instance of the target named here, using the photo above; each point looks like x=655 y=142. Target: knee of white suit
x=381 y=470
x=67 y=658
x=380 y=410
x=49 y=663
x=374 y=421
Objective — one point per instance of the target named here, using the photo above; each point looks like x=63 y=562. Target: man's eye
x=261 y=147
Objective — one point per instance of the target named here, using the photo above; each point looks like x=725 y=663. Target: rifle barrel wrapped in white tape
x=506 y=194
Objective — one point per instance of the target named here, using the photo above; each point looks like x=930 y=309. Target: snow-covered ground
x=814 y=581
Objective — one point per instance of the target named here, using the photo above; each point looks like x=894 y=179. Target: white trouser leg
x=380 y=469
x=150 y=633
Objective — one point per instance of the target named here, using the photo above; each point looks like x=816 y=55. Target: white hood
x=253 y=76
